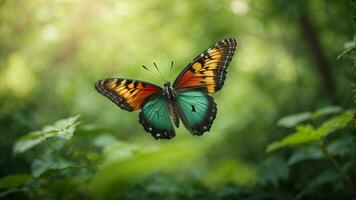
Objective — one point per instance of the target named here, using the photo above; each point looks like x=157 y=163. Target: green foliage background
x=285 y=122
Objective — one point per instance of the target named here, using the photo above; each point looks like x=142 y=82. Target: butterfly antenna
x=171 y=68
x=144 y=67
x=159 y=71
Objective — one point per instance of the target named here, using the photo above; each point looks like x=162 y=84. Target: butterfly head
x=167 y=84
x=169 y=91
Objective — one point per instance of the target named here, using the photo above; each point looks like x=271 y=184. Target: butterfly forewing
x=208 y=70
x=127 y=94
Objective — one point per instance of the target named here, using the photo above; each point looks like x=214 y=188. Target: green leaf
x=337 y=122
x=157 y=180
x=13 y=181
x=272 y=171
x=303 y=134
x=120 y=150
x=9 y=191
x=307 y=153
x=326 y=111
x=228 y=191
x=232 y=171
x=341 y=147
x=121 y=169
x=63 y=129
x=327 y=176
x=104 y=140
x=48 y=162
x=349 y=47
x=307 y=133
x=292 y=120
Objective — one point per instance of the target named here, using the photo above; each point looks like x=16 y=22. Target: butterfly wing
x=155 y=117
x=127 y=94
x=197 y=110
x=132 y=95
x=208 y=70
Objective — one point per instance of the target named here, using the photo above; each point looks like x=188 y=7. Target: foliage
x=122 y=165
x=292 y=120
x=307 y=133
x=337 y=149
x=13 y=181
x=62 y=129
x=349 y=47
x=118 y=172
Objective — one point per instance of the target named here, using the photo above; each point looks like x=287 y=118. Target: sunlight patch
x=17 y=78
x=50 y=33
x=239 y=7
x=122 y=8
x=285 y=68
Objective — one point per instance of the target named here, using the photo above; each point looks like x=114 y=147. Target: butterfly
x=186 y=100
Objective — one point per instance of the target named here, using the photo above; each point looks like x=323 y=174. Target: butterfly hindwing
x=155 y=117
x=197 y=110
x=127 y=94
x=208 y=70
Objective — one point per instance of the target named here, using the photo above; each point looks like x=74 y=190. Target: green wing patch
x=197 y=111
x=155 y=118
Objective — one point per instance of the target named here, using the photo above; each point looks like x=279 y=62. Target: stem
x=337 y=165
x=309 y=34
x=300 y=195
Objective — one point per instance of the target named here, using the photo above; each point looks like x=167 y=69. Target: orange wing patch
x=208 y=70
x=127 y=94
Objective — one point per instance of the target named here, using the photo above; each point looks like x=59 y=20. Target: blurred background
x=286 y=62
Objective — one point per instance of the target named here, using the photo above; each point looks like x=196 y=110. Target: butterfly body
x=169 y=92
x=170 y=95
x=186 y=100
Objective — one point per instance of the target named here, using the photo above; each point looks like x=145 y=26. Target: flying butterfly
x=186 y=100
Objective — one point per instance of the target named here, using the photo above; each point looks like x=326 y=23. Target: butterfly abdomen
x=174 y=114
x=170 y=95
